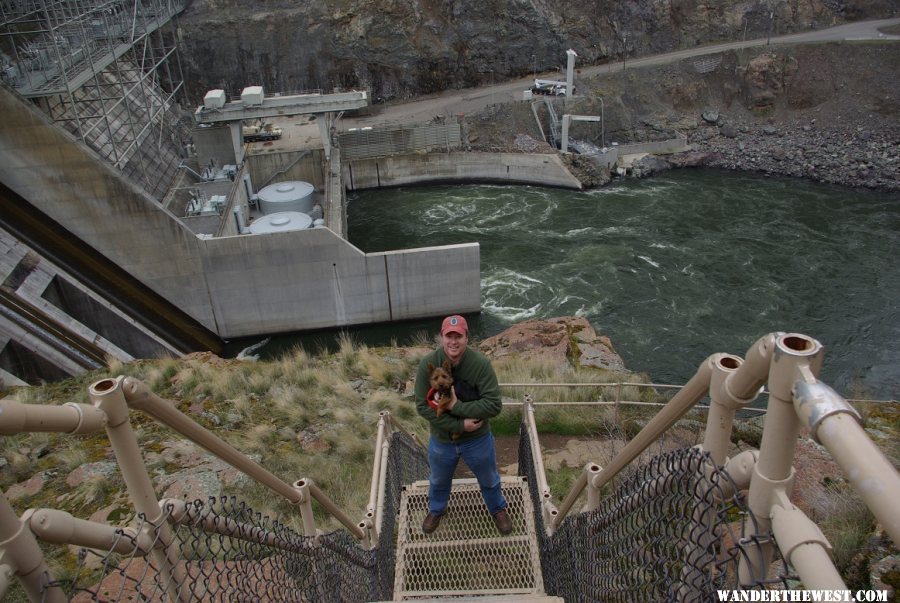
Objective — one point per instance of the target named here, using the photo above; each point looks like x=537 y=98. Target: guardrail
x=172 y=574
x=213 y=559
x=789 y=364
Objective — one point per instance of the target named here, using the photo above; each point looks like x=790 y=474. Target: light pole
x=602 y=123
x=533 y=67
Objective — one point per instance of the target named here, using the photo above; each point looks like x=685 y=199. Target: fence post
x=20 y=554
x=383 y=419
x=618 y=392
x=304 y=487
x=382 y=486
x=305 y=505
x=719 y=421
x=805 y=548
x=593 y=492
x=107 y=395
x=795 y=357
x=548 y=510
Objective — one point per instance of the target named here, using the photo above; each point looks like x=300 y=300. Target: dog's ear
x=446 y=365
x=430 y=368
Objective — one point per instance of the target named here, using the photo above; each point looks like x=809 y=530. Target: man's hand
x=471 y=424
x=453 y=399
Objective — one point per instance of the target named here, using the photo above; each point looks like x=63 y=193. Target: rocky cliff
x=399 y=49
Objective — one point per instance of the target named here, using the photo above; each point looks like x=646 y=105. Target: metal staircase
x=466 y=556
x=555 y=136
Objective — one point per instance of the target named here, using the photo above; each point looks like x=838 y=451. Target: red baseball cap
x=455 y=324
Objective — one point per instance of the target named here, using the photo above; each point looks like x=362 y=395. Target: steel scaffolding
x=108 y=72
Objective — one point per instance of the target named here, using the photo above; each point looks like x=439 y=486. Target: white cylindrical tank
x=293 y=195
x=280 y=222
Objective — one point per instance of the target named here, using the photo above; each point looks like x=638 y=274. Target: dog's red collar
x=430 y=398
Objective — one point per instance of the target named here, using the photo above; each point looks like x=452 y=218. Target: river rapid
x=671 y=268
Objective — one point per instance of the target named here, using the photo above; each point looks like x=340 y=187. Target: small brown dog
x=439 y=396
x=441 y=382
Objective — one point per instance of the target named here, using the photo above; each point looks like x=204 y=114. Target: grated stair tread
x=466 y=555
x=494 y=599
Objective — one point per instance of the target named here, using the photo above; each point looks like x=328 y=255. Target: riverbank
x=845 y=155
x=824 y=112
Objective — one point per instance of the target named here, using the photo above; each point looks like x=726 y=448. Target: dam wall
x=235 y=285
x=458 y=167
x=305 y=165
x=311 y=279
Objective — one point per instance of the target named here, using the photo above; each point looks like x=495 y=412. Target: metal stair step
x=494 y=599
x=466 y=555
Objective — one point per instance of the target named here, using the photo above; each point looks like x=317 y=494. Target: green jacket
x=482 y=401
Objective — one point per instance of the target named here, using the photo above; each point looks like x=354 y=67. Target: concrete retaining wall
x=673 y=145
x=420 y=168
x=266 y=168
x=309 y=279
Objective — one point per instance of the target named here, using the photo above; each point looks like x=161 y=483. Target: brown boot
x=431 y=522
x=503 y=522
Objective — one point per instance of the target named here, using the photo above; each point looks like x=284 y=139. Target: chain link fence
x=224 y=551
x=672 y=530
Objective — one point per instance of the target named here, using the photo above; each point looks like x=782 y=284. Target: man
x=475 y=398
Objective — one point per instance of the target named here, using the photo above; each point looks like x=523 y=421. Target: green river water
x=672 y=268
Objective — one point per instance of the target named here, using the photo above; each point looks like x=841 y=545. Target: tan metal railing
x=789 y=364
x=20 y=554
x=372 y=522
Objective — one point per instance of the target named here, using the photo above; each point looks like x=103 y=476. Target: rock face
x=403 y=49
x=563 y=340
x=823 y=112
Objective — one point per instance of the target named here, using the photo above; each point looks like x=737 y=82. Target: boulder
x=565 y=341
x=92 y=471
x=29 y=487
x=728 y=131
x=710 y=116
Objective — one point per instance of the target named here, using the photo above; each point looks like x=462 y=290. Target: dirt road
x=472 y=100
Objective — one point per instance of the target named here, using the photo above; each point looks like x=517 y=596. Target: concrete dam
x=131 y=236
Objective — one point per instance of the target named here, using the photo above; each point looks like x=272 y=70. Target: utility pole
x=492 y=86
x=624 y=49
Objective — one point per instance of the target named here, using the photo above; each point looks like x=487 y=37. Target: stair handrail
x=138 y=396
x=686 y=398
x=789 y=364
x=371 y=523
x=112 y=400
x=548 y=510
x=737 y=384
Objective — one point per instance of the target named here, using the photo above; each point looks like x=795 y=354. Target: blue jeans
x=480 y=458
